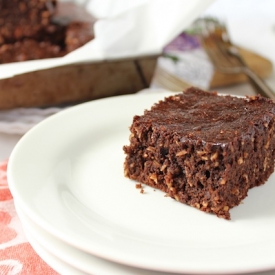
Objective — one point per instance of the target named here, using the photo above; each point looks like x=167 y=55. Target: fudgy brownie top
x=196 y=114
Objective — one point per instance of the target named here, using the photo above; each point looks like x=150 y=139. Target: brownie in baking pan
x=203 y=149
x=41 y=29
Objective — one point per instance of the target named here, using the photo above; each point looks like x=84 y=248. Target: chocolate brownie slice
x=203 y=149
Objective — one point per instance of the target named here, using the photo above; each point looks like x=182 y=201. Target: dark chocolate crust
x=203 y=149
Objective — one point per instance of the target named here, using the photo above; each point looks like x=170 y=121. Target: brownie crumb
x=138 y=186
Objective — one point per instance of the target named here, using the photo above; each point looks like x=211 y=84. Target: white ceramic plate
x=73 y=257
x=67 y=175
x=65 y=258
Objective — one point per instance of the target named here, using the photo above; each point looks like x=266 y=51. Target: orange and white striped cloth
x=17 y=257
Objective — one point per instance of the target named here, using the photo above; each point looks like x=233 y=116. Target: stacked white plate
x=82 y=215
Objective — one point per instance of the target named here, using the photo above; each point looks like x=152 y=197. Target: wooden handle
x=260 y=65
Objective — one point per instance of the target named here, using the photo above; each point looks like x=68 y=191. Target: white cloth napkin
x=20 y=120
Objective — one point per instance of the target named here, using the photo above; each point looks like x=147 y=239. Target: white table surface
x=251 y=24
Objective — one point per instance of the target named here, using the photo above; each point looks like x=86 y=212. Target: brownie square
x=78 y=23
x=203 y=149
